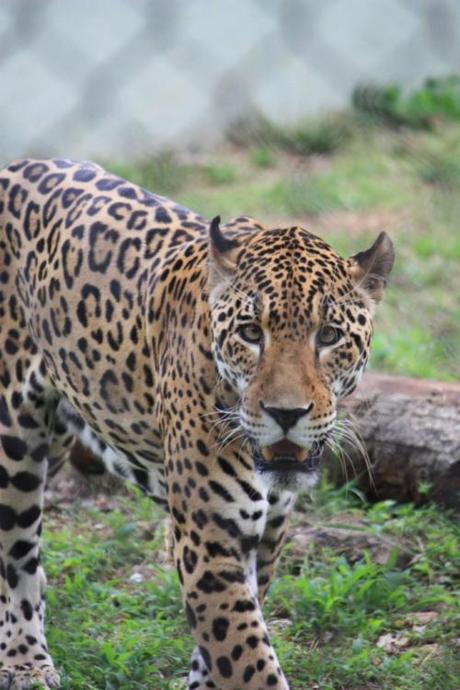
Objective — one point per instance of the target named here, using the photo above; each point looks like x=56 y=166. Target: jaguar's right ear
x=370 y=269
x=223 y=252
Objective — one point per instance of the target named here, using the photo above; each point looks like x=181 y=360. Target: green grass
x=359 y=180
x=326 y=613
x=162 y=173
x=220 y=174
x=262 y=157
x=437 y=98
x=323 y=135
x=256 y=130
x=443 y=171
x=122 y=634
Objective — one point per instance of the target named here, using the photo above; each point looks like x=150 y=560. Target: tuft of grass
x=262 y=157
x=161 y=173
x=384 y=106
x=220 y=174
x=441 y=170
x=388 y=105
x=255 y=129
x=325 y=135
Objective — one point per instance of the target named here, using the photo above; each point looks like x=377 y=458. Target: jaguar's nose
x=286 y=417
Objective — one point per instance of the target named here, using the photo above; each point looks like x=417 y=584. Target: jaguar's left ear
x=223 y=252
x=370 y=269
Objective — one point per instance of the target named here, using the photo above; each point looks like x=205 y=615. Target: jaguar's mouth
x=285 y=456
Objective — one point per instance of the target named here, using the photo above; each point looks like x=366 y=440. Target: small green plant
x=220 y=174
x=437 y=98
x=162 y=173
x=323 y=135
x=262 y=157
x=342 y=596
x=441 y=170
x=255 y=129
x=382 y=105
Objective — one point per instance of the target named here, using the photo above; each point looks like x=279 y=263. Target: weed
x=222 y=174
x=437 y=98
x=323 y=135
x=262 y=157
x=161 y=173
x=320 y=136
x=441 y=170
x=255 y=129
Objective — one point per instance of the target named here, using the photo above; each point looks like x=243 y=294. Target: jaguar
x=201 y=361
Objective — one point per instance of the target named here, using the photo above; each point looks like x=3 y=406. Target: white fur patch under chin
x=307 y=481
x=290 y=481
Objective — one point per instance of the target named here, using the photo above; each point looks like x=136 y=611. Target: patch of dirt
x=69 y=486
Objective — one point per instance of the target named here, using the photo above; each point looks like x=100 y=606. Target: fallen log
x=411 y=431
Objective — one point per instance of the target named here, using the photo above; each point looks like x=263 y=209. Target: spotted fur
x=197 y=362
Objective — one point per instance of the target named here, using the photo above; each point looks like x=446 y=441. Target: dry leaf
x=392 y=643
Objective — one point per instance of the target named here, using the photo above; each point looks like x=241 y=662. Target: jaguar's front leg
x=218 y=523
x=260 y=568
x=273 y=538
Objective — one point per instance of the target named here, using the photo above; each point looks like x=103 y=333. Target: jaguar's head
x=291 y=329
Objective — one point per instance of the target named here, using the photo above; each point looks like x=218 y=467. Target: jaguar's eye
x=252 y=333
x=328 y=335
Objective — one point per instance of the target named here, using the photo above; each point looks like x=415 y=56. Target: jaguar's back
x=79 y=248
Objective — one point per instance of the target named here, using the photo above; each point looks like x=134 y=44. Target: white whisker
x=349 y=435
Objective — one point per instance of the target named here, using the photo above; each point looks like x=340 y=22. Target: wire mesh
x=129 y=77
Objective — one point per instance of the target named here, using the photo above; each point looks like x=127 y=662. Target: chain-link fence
x=121 y=78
